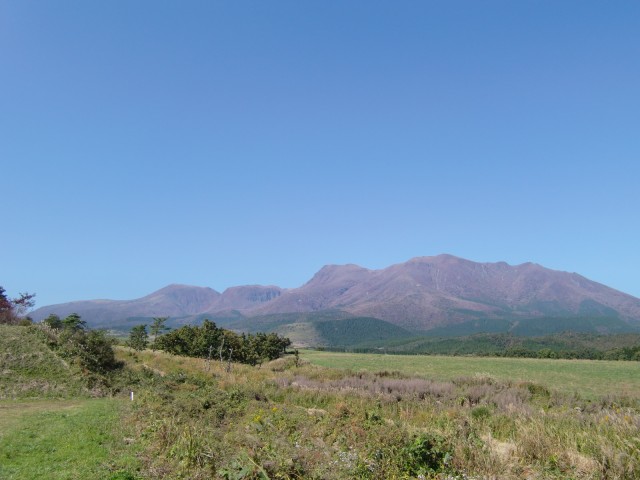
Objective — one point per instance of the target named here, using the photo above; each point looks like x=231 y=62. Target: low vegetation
x=283 y=421
x=290 y=418
x=30 y=369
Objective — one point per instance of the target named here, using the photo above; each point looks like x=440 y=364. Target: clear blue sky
x=224 y=143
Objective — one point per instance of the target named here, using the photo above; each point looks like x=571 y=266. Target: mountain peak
x=175 y=287
x=332 y=273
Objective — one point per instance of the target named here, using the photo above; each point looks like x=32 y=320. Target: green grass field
x=64 y=439
x=590 y=378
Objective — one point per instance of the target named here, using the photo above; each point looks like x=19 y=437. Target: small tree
x=98 y=355
x=53 y=321
x=158 y=327
x=74 y=322
x=296 y=354
x=138 y=337
x=13 y=310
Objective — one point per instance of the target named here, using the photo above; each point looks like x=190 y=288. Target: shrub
x=480 y=413
x=426 y=454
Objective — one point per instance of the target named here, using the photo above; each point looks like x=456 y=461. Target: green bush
x=480 y=413
x=209 y=341
x=426 y=454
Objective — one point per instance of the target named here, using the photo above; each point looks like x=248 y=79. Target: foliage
x=53 y=321
x=138 y=337
x=538 y=326
x=12 y=310
x=97 y=353
x=426 y=454
x=209 y=341
x=158 y=327
x=73 y=322
x=40 y=361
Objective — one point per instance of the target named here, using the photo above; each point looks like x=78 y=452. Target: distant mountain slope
x=420 y=294
x=170 y=301
x=427 y=292
x=175 y=301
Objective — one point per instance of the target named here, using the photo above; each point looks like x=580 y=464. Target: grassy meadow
x=589 y=378
x=370 y=420
x=320 y=416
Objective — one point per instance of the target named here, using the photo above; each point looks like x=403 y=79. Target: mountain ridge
x=420 y=294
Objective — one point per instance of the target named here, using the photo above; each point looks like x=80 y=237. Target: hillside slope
x=29 y=368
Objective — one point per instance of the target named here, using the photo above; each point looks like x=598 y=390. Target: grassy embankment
x=29 y=369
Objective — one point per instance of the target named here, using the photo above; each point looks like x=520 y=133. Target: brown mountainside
x=420 y=294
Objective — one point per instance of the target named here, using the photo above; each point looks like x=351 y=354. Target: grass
x=29 y=369
x=287 y=422
x=64 y=439
x=443 y=418
x=12 y=412
x=590 y=378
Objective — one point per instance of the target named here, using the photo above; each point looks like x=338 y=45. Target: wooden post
x=208 y=362
x=229 y=362
x=221 y=347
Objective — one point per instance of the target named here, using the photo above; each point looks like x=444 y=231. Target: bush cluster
x=210 y=341
x=91 y=350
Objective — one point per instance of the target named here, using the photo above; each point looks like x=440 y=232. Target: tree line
x=622 y=353
x=210 y=341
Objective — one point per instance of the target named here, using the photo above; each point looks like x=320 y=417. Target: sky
x=247 y=142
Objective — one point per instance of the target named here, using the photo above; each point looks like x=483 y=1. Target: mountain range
x=422 y=294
